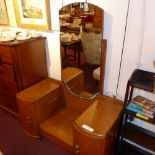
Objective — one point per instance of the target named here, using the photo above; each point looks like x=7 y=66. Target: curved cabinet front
x=95 y=131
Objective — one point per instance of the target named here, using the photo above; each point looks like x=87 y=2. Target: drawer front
x=28 y=117
x=76 y=84
x=48 y=104
x=5 y=55
x=9 y=88
x=7 y=73
x=8 y=102
x=32 y=114
x=83 y=144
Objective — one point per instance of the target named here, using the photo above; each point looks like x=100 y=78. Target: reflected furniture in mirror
x=79 y=125
x=74 y=79
x=72 y=44
x=81 y=43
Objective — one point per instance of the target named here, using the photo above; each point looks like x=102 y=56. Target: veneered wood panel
x=31 y=57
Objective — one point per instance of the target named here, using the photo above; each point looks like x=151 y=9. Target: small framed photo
x=3 y=13
x=33 y=14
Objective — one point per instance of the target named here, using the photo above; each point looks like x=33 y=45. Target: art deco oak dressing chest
x=22 y=64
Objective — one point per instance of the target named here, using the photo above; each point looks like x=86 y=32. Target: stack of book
x=142 y=106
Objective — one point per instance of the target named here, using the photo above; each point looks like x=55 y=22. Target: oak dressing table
x=80 y=125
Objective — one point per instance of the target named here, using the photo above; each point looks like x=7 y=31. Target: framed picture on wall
x=3 y=13
x=33 y=14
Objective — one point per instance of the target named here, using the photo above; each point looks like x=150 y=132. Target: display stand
x=138 y=137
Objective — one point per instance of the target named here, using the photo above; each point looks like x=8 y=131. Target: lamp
x=85 y=7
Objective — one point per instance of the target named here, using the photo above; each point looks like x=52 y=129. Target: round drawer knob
x=77 y=149
x=28 y=120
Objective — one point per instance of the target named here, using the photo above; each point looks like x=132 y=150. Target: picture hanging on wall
x=3 y=13
x=33 y=14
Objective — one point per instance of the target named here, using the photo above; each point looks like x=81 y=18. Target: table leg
x=65 y=51
x=74 y=52
x=78 y=58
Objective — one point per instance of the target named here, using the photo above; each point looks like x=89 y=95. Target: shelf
x=142 y=128
x=8 y=104
x=143 y=80
x=139 y=140
x=133 y=115
x=136 y=132
x=130 y=151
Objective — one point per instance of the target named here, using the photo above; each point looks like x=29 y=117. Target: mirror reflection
x=81 y=26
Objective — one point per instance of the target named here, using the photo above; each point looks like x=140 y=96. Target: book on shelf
x=146 y=104
x=138 y=109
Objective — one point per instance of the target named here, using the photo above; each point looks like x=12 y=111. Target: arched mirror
x=82 y=48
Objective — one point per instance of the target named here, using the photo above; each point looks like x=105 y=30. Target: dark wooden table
x=75 y=44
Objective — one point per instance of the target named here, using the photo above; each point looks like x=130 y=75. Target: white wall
x=115 y=13
x=148 y=45
x=148 y=48
x=138 y=49
x=133 y=43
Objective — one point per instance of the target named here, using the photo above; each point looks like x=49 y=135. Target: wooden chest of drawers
x=22 y=63
x=37 y=103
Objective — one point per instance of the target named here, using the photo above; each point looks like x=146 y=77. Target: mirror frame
x=102 y=66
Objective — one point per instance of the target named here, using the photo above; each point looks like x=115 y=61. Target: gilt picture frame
x=3 y=13
x=32 y=14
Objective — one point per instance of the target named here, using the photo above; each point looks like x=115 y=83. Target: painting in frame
x=3 y=13
x=32 y=14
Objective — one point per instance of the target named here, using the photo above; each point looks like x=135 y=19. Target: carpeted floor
x=13 y=140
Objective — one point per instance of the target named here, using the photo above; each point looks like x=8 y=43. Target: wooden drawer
x=8 y=102
x=28 y=117
x=86 y=145
x=5 y=55
x=34 y=113
x=76 y=84
x=11 y=104
x=7 y=73
x=36 y=103
x=47 y=105
x=9 y=88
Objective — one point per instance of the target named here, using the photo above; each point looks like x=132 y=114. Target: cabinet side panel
x=111 y=139
x=28 y=118
x=32 y=62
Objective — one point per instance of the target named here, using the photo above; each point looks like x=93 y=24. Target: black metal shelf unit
x=136 y=137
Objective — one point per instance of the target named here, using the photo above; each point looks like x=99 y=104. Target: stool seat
x=96 y=73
